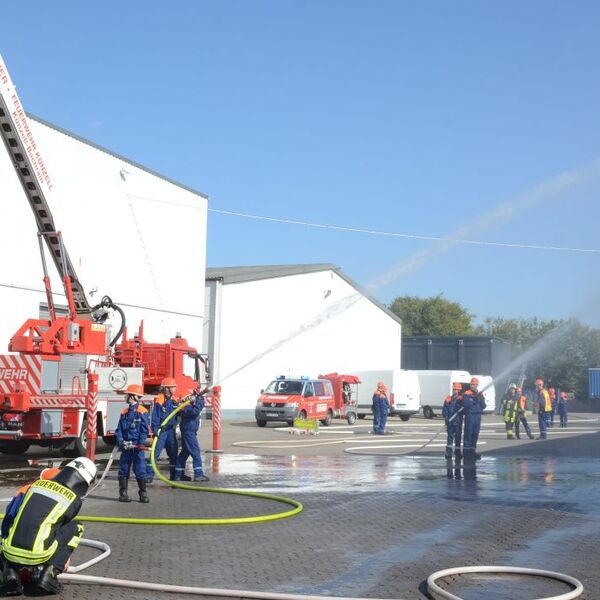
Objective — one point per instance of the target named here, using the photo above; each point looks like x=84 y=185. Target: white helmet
x=85 y=467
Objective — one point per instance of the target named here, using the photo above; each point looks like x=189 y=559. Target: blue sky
x=410 y=117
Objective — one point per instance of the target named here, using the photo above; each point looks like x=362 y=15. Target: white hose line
x=437 y=592
x=91 y=544
x=198 y=591
x=433 y=588
x=111 y=459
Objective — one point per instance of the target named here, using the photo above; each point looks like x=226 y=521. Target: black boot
x=45 y=582
x=448 y=452
x=123 y=497
x=11 y=582
x=142 y=491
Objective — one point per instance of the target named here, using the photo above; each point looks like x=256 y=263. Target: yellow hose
x=230 y=521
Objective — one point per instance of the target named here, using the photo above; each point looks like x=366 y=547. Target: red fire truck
x=59 y=385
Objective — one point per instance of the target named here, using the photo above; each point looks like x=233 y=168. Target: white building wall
x=306 y=324
x=131 y=234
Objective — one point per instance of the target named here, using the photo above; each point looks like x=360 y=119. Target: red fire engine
x=59 y=386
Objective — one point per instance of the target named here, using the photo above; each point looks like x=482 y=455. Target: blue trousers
x=134 y=457
x=189 y=447
x=543 y=420
x=168 y=441
x=522 y=419
x=471 y=435
x=376 y=415
x=454 y=433
x=563 y=414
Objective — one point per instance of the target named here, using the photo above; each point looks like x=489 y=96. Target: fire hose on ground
x=73 y=576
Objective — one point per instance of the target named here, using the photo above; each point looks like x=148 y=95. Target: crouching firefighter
x=131 y=435
x=452 y=413
x=39 y=531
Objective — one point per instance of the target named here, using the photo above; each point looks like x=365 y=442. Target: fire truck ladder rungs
x=37 y=201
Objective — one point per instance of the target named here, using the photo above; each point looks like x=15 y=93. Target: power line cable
x=141 y=306
x=410 y=236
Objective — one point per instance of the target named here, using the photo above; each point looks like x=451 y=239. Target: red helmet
x=456 y=386
x=135 y=390
x=474 y=381
x=168 y=382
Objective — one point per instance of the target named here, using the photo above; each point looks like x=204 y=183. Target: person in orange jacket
x=544 y=407
x=474 y=405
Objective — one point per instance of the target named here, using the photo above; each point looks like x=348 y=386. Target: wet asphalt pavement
x=380 y=513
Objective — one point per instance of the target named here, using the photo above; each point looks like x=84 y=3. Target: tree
x=432 y=316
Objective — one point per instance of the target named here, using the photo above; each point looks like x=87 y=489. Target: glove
x=126 y=445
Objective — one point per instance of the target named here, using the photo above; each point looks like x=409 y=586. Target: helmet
x=49 y=473
x=135 y=390
x=474 y=381
x=539 y=381
x=456 y=386
x=381 y=385
x=168 y=382
x=77 y=475
x=512 y=386
x=85 y=467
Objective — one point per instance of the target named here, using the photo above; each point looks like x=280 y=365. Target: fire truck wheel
x=327 y=420
x=261 y=423
x=80 y=444
x=404 y=417
x=15 y=447
x=428 y=412
x=351 y=418
x=361 y=416
x=109 y=440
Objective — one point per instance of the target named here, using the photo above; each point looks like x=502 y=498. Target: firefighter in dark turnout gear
x=511 y=411
x=38 y=530
x=131 y=435
x=452 y=413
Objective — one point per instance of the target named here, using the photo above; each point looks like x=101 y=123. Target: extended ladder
x=33 y=175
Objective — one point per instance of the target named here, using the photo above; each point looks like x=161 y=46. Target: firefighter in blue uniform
x=474 y=405
x=452 y=413
x=563 y=409
x=39 y=531
x=131 y=435
x=380 y=408
x=164 y=404
x=189 y=425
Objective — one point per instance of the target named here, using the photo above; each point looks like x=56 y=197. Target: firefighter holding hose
x=131 y=435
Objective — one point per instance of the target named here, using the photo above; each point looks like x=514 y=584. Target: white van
x=403 y=392
x=436 y=386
